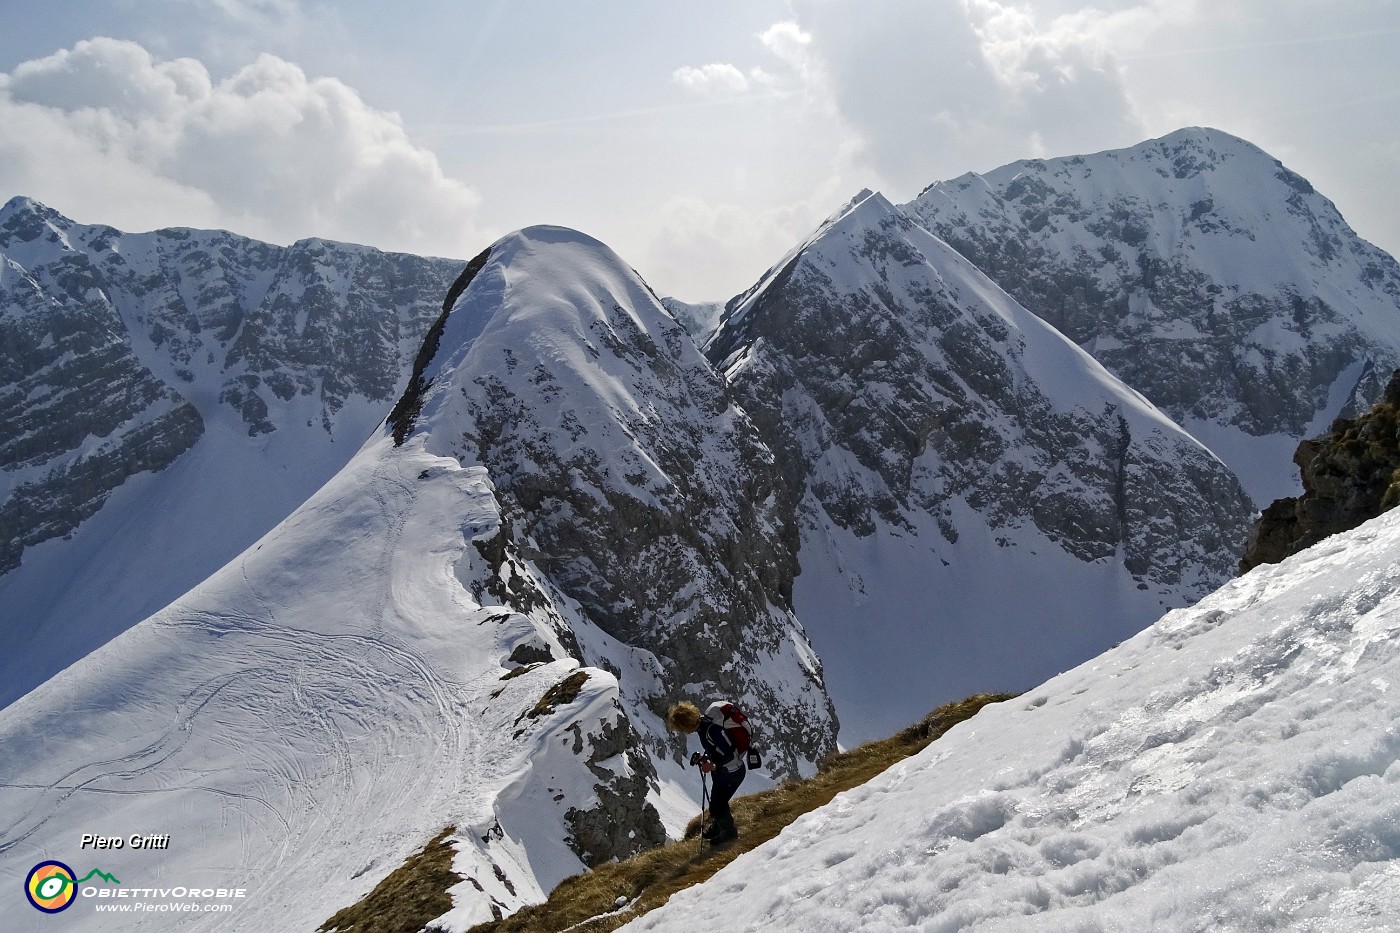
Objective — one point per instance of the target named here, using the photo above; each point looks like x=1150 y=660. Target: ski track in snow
x=318 y=742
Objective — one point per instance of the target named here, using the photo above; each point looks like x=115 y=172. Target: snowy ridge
x=1202 y=272
x=458 y=629
x=1235 y=766
x=939 y=438
x=306 y=718
x=482 y=615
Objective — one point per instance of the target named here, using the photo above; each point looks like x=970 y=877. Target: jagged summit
x=22 y=204
x=1201 y=271
x=736 y=307
x=26 y=224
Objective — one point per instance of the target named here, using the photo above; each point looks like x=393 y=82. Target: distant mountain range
x=438 y=561
x=167 y=399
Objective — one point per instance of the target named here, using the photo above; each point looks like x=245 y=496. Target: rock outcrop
x=1350 y=475
x=933 y=435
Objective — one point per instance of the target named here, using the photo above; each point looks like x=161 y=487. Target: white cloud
x=715 y=78
x=104 y=130
x=936 y=89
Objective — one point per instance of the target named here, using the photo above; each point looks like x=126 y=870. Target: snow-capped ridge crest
x=557 y=368
x=906 y=395
x=868 y=208
x=543 y=284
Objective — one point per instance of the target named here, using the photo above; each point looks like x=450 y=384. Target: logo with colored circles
x=51 y=886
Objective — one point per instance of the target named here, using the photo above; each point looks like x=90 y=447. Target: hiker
x=722 y=734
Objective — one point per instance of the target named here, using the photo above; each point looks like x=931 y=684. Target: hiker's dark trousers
x=725 y=783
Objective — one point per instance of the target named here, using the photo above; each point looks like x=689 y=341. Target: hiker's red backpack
x=736 y=726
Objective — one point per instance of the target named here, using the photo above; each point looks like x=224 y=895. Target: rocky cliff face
x=122 y=355
x=632 y=479
x=148 y=335
x=1350 y=475
x=1200 y=271
x=911 y=401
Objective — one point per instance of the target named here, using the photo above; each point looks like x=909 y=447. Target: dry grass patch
x=611 y=895
x=411 y=897
x=561 y=694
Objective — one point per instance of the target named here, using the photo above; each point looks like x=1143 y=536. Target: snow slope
x=401 y=653
x=317 y=710
x=1234 y=767
x=166 y=399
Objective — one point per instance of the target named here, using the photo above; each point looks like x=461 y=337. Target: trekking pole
x=704 y=805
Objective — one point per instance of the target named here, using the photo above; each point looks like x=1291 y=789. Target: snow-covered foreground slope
x=312 y=714
x=981 y=504
x=1234 y=767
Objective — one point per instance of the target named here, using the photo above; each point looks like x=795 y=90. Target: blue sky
x=701 y=141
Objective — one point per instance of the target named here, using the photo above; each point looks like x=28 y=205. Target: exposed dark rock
x=116 y=350
x=623 y=822
x=406 y=410
x=653 y=503
x=924 y=390
x=1350 y=475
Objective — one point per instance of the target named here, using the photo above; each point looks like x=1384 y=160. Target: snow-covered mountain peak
x=1200 y=270
x=866 y=209
x=27 y=226
x=558 y=368
x=22 y=206
x=927 y=422
x=560 y=278
x=569 y=310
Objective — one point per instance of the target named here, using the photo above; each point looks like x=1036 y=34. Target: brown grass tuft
x=561 y=694
x=409 y=899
